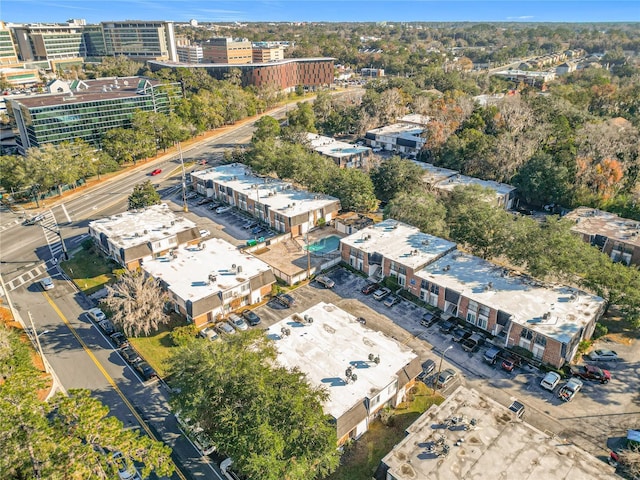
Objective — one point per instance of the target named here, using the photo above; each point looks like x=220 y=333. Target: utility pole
x=38 y=344
x=185 y=207
x=65 y=254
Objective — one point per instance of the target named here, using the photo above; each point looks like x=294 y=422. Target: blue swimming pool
x=325 y=245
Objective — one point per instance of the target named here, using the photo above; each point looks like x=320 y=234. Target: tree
x=144 y=195
x=136 y=304
x=302 y=118
x=66 y=437
x=264 y=416
x=396 y=176
x=266 y=127
x=420 y=209
x=541 y=180
x=353 y=188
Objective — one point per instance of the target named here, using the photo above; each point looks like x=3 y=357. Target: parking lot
x=591 y=420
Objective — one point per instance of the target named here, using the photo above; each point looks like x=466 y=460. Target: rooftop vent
x=546 y=316
x=350 y=376
x=212 y=278
x=285 y=332
x=374 y=358
x=446 y=268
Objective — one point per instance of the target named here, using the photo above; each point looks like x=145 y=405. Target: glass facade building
x=93 y=108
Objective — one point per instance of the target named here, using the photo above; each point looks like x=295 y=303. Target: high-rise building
x=234 y=51
x=8 y=55
x=141 y=40
x=40 y=42
x=87 y=109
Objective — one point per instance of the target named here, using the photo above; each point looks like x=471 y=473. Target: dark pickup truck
x=472 y=343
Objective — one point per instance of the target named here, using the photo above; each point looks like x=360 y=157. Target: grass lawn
x=621 y=330
x=361 y=459
x=156 y=348
x=89 y=271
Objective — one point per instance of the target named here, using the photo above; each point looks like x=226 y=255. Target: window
x=435 y=289
x=526 y=334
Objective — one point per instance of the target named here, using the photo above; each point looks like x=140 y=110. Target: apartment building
x=345 y=155
x=362 y=370
x=284 y=75
x=393 y=248
x=618 y=237
x=210 y=279
x=134 y=237
x=88 y=110
x=399 y=137
x=232 y=51
x=497 y=445
x=279 y=204
x=547 y=320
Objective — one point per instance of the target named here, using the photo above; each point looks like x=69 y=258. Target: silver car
x=225 y=328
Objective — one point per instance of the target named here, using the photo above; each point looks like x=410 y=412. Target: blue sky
x=31 y=11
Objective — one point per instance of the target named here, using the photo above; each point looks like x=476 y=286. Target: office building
x=140 y=40
x=230 y=51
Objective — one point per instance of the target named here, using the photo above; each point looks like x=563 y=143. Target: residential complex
x=345 y=155
x=547 y=320
x=87 y=110
x=208 y=280
x=618 y=237
x=279 y=204
x=494 y=444
x=363 y=370
x=133 y=237
x=398 y=137
x=282 y=74
x=392 y=248
x=445 y=181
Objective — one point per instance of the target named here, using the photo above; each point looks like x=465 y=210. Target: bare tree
x=516 y=114
x=136 y=302
x=629 y=459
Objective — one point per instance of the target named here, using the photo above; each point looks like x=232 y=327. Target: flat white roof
x=415 y=118
x=324 y=349
x=188 y=273
x=499 y=446
x=280 y=196
x=135 y=227
x=566 y=309
x=404 y=130
x=433 y=174
x=399 y=243
x=334 y=148
x=454 y=181
x=591 y=221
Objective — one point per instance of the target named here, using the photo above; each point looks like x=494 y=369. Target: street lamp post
x=435 y=383
x=36 y=336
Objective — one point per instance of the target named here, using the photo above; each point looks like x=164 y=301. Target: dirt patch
x=621 y=330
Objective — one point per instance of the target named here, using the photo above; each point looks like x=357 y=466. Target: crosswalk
x=51 y=232
x=28 y=276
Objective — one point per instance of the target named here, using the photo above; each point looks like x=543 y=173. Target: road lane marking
x=108 y=377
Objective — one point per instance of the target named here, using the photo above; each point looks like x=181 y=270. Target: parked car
x=369 y=288
x=428 y=366
x=510 y=363
x=325 y=281
x=107 y=326
x=517 y=408
x=238 y=322
x=213 y=206
x=224 y=209
x=251 y=317
x=391 y=300
x=591 y=372
x=472 y=343
x=381 y=293
x=119 y=340
x=126 y=469
x=445 y=378
x=209 y=333
x=285 y=300
x=204 y=233
x=602 y=355
x=550 y=381
x=145 y=370
x=429 y=319
x=202 y=201
x=569 y=389
x=460 y=333
x=130 y=355
x=492 y=355
x=257 y=229
x=447 y=326
x=225 y=328
x=155 y=172
x=250 y=224
x=191 y=195
x=46 y=283
x=96 y=315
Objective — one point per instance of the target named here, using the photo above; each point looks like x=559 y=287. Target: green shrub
x=87 y=244
x=180 y=336
x=584 y=345
x=600 y=331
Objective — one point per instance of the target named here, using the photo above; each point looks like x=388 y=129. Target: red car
x=591 y=372
x=370 y=288
x=156 y=172
x=509 y=364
